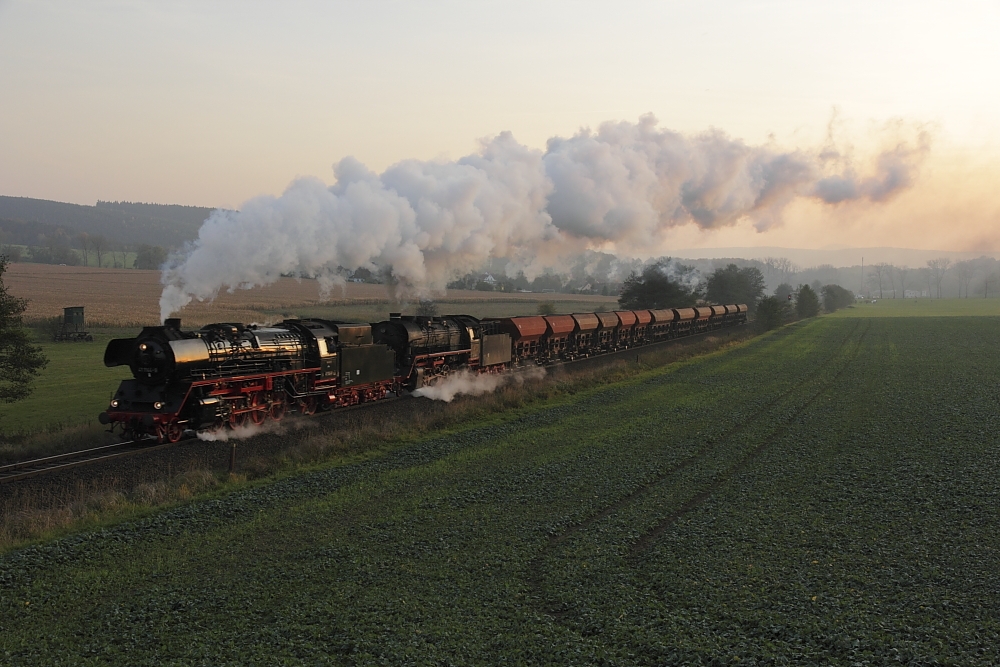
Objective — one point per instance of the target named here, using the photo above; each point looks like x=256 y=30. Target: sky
x=213 y=104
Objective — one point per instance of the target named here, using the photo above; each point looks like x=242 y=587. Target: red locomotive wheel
x=278 y=410
x=237 y=419
x=258 y=408
x=307 y=406
x=173 y=432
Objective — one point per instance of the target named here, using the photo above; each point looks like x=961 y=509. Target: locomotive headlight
x=114 y=403
x=158 y=405
x=143 y=347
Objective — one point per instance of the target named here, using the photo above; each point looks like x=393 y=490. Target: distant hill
x=840 y=256
x=166 y=225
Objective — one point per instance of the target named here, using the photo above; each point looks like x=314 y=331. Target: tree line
x=662 y=285
x=57 y=247
x=979 y=276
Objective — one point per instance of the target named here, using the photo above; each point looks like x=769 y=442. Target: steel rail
x=12 y=472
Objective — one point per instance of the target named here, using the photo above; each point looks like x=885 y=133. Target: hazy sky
x=212 y=103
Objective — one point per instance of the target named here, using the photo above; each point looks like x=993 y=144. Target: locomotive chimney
x=172 y=323
x=395 y=316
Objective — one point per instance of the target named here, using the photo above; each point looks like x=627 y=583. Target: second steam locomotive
x=229 y=375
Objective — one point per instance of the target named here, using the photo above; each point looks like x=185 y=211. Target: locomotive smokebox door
x=362 y=364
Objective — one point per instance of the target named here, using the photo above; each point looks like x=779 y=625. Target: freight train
x=230 y=375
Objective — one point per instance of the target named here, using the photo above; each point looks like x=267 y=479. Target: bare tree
x=879 y=273
x=83 y=242
x=901 y=272
x=989 y=280
x=965 y=271
x=786 y=268
x=770 y=263
x=121 y=249
x=938 y=267
x=100 y=246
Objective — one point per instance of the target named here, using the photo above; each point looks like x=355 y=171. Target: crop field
x=923 y=308
x=129 y=298
x=724 y=510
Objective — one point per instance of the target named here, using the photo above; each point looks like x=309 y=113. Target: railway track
x=12 y=472
x=19 y=470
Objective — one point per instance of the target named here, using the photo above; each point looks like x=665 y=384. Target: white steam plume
x=473 y=384
x=615 y=190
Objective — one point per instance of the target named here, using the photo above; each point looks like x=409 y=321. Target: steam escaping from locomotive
x=616 y=189
x=468 y=383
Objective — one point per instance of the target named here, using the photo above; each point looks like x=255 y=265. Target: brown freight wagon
x=663 y=324
x=718 y=317
x=525 y=335
x=702 y=316
x=583 y=337
x=684 y=321
x=608 y=330
x=642 y=333
x=558 y=335
x=626 y=328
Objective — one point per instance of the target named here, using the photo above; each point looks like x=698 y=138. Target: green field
x=72 y=390
x=825 y=494
x=922 y=308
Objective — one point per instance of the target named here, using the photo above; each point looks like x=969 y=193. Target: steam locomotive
x=230 y=375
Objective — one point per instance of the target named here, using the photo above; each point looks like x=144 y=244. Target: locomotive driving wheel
x=258 y=407
x=278 y=409
x=307 y=406
x=170 y=433
x=237 y=419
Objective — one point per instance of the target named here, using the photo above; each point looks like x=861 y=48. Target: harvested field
x=129 y=298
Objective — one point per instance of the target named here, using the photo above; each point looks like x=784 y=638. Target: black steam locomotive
x=228 y=375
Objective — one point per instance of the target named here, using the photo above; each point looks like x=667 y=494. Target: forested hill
x=164 y=225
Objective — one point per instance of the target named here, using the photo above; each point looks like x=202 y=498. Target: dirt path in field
x=535 y=576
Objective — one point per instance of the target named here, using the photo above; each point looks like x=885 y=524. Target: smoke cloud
x=616 y=189
x=473 y=384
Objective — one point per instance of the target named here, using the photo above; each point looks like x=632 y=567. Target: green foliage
x=56 y=254
x=806 y=302
x=655 y=289
x=20 y=361
x=735 y=285
x=427 y=308
x=772 y=312
x=150 y=256
x=836 y=297
x=13 y=253
x=783 y=291
x=546 y=308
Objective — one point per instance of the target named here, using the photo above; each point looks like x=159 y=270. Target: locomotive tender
x=229 y=375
